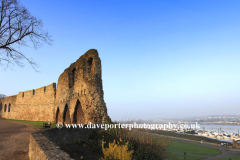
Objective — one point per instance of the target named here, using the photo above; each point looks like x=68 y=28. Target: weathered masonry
x=78 y=97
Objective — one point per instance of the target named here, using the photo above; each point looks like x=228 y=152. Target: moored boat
x=220 y=136
x=228 y=137
x=234 y=135
x=200 y=133
x=214 y=135
x=205 y=134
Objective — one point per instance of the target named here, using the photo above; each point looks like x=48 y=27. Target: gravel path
x=14 y=140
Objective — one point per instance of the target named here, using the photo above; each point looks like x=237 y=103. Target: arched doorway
x=66 y=115
x=57 y=115
x=9 y=106
x=78 y=115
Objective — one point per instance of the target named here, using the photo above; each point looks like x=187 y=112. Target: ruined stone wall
x=46 y=144
x=78 y=97
x=6 y=106
x=34 y=105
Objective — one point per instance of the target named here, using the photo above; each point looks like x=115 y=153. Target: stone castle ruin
x=77 y=98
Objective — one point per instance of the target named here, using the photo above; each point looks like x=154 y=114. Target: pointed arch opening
x=72 y=78
x=66 y=115
x=78 y=115
x=89 y=65
x=57 y=115
x=5 y=108
x=9 y=106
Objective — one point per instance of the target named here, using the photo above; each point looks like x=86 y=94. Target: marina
x=219 y=128
x=223 y=133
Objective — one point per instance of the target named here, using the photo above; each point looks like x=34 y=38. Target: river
x=218 y=128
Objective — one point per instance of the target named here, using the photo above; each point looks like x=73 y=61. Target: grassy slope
x=193 y=149
x=178 y=156
x=186 y=136
x=38 y=124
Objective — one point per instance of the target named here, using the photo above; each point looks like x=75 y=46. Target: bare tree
x=2 y=96
x=18 y=26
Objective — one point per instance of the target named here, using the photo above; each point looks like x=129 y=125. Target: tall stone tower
x=79 y=95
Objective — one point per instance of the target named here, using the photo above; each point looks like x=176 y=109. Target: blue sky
x=160 y=59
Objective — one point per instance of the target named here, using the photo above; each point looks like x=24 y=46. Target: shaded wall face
x=66 y=116
x=78 y=115
x=57 y=117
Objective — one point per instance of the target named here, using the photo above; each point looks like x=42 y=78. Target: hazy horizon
x=160 y=59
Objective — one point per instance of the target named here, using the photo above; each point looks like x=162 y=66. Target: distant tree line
x=2 y=96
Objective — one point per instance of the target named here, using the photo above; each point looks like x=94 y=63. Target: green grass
x=178 y=156
x=38 y=124
x=177 y=146
x=197 y=151
x=185 y=136
x=232 y=158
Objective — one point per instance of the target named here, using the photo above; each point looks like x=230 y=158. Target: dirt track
x=14 y=140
